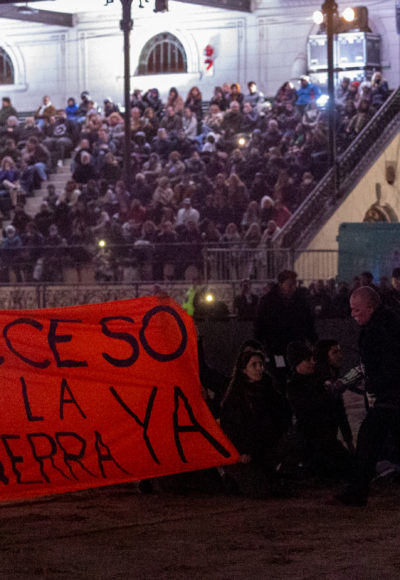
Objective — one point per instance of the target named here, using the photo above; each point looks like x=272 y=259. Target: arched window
x=6 y=69
x=163 y=53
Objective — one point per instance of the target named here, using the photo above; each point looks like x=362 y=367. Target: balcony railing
x=149 y=263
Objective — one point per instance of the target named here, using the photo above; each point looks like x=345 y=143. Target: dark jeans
x=381 y=423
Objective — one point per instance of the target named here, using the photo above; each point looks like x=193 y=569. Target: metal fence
x=29 y=296
x=149 y=263
x=223 y=264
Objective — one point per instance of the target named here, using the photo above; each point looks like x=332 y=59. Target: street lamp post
x=126 y=26
x=329 y=8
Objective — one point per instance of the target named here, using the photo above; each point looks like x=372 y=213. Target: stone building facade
x=268 y=45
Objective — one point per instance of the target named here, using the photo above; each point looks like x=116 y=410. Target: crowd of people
x=230 y=173
x=283 y=407
x=324 y=299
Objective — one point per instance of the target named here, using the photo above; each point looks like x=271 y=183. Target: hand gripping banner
x=101 y=394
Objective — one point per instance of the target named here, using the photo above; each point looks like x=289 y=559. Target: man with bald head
x=379 y=345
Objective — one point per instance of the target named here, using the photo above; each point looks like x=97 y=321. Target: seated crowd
x=231 y=175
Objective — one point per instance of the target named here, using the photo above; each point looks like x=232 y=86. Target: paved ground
x=115 y=532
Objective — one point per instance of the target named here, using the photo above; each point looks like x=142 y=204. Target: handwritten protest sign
x=100 y=394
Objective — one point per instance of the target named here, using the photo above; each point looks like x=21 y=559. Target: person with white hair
x=379 y=346
x=44 y=111
x=187 y=213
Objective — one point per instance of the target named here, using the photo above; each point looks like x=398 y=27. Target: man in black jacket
x=283 y=316
x=379 y=345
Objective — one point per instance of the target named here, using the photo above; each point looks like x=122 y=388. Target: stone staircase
x=59 y=179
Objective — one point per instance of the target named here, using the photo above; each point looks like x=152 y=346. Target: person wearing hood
x=152 y=99
x=83 y=107
x=71 y=109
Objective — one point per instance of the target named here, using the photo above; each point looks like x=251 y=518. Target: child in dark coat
x=317 y=416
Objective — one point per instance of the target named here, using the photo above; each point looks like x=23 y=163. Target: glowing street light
x=349 y=14
x=318 y=17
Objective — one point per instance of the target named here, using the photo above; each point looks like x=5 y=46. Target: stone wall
x=363 y=196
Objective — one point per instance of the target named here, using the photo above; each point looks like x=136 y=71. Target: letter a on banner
x=101 y=394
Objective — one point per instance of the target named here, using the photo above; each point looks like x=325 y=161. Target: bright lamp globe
x=349 y=14
x=318 y=17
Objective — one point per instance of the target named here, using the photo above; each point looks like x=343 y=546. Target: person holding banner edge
x=256 y=418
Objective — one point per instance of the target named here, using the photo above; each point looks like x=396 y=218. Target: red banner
x=100 y=394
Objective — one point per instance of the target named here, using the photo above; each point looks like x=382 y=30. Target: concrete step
x=59 y=179
x=32 y=205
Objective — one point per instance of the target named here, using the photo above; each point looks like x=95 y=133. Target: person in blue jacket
x=307 y=92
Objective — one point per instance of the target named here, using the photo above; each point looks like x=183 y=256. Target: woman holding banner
x=256 y=418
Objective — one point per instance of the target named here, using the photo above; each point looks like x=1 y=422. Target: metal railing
x=40 y=295
x=239 y=263
x=369 y=143
x=146 y=262
x=339 y=181
x=264 y=265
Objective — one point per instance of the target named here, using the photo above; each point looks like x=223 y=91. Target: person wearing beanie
x=316 y=417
